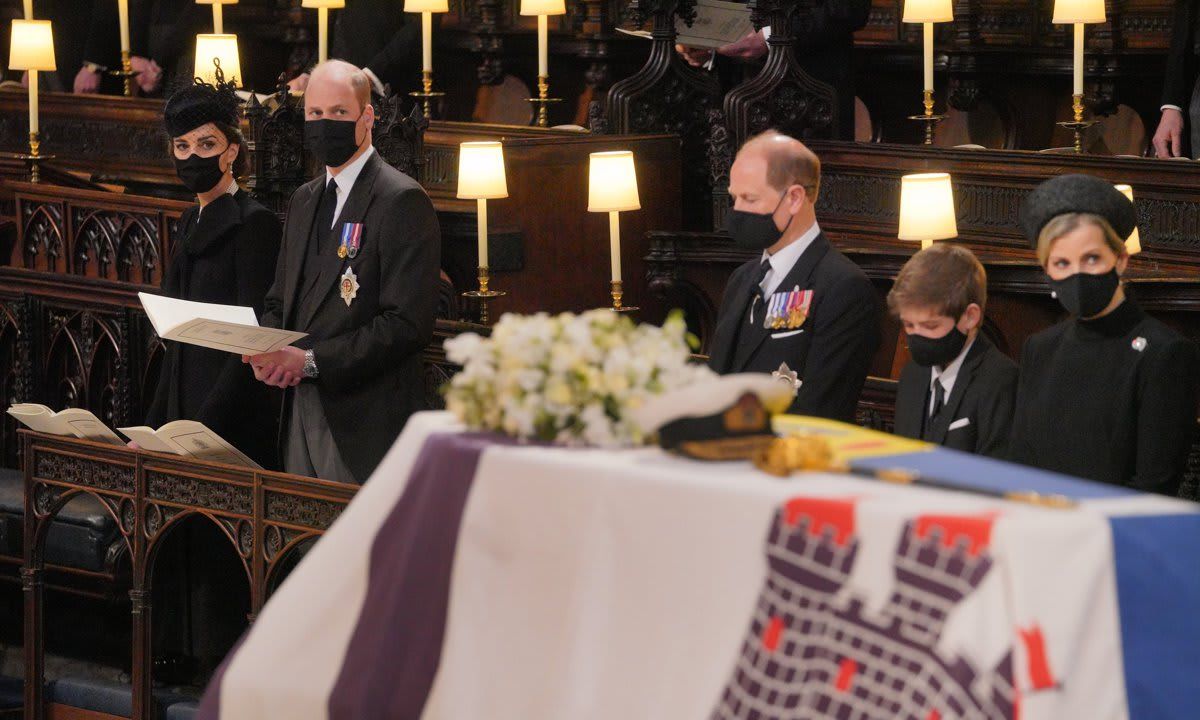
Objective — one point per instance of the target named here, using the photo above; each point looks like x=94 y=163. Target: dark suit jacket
x=1182 y=62
x=163 y=30
x=368 y=353
x=227 y=255
x=375 y=34
x=831 y=352
x=983 y=396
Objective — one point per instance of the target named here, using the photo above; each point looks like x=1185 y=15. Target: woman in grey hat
x=1109 y=394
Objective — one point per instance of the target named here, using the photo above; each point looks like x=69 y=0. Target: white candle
x=123 y=14
x=928 y=48
x=1078 y=59
x=322 y=34
x=427 y=41
x=218 y=20
x=482 y=212
x=614 y=241
x=543 y=46
x=33 y=101
x=28 y=9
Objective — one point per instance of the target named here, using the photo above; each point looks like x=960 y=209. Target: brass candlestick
x=1078 y=125
x=618 y=292
x=426 y=94
x=483 y=295
x=126 y=72
x=928 y=118
x=35 y=157
x=543 y=100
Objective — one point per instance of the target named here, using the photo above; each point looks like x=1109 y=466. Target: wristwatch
x=310 y=365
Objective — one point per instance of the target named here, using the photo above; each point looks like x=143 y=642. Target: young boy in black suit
x=959 y=390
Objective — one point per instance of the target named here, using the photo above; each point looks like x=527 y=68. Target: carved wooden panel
x=84 y=362
x=209 y=494
x=296 y=510
x=83 y=471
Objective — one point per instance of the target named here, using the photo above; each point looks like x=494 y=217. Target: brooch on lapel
x=349 y=286
x=351 y=240
x=788 y=310
x=1139 y=343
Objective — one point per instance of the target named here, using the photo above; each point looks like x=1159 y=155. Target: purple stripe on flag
x=394 y=652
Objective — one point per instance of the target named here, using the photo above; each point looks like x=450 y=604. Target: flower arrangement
x=567 y=378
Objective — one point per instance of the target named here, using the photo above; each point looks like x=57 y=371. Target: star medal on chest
x=348 y=286
x=788 y=309
x=351 y=240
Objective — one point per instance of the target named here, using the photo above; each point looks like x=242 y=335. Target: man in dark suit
x=823 y=43
x=1180 y=100
x=358 y=273
x=381 y=39
x=959 y=390
x=801 y=303
x=162 y=36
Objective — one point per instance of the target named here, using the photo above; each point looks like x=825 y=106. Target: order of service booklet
x=231 y=328
x=717 y=24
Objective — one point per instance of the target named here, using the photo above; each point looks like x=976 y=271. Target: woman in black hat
x=1110 y=393
x=224 y=252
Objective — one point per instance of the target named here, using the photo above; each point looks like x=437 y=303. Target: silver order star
x=789 y=376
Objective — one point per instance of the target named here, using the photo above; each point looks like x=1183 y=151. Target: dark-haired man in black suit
x=380 y=38
x=358 y=272
x=801 y=303
x=1181 y=99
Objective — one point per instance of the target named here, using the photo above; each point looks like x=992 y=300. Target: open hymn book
x=182 y=437
x=717 y=24
x=230 y=328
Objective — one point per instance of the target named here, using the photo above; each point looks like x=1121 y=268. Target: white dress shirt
x=783 y=261
x=947 y=376
x=345 y=181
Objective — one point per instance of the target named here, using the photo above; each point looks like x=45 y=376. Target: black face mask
x=928 y=352
x=199 y=174
x=332 y=142
x=1086 y=295
x=755 y=231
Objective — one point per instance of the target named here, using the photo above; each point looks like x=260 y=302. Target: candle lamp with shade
x=323 y=7
x=218 y=14
x=928 y=12
x=1133 y=243
x=217 y=59
x=1078 y=13
x=612 y=188
x=427 y=8
x=31 y=49
x=481 y=178
x=927 y=208
x=543 y=9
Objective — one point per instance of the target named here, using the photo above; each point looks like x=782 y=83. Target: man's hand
x=149 y=74
x=1168 y=139
x=696 y=57
x=282 y=368
x=299 y=83
x=87 y=81
x=754 y=45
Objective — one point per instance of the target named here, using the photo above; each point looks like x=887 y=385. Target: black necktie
x=756 y=291
x=939 y=399
x=325 y=213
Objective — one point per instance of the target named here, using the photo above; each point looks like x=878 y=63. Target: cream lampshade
x=323 y=7
x=430 y=6
x=481 y=178
x=543 y=7
x=217 y=7
x=214 y=50
x=1133 y=243
x=927 y=208
x=928 y=11
x=612 y=188
x=31 y=48
x=1078 y=11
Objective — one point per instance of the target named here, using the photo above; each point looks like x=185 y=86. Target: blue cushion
x=81 y=535
x=103 y=696
x=183 y=711
x=11 y=693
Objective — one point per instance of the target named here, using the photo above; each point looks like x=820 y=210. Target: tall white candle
x=322 y=34
x=218 y=20
x=1078 y=66
x=427 y=41
x=123 y=16
x=543 y=46
x=928 y=48
x=614 y=242
x=28 y=9
x=483 y=249
x=33 y=101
